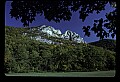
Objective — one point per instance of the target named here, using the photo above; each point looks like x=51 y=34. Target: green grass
x=68 y=74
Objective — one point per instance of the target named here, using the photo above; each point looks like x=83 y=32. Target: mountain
x=44 y=32
x=49 y=30
x=72 y=36
x=108 y=44
x=25 y=54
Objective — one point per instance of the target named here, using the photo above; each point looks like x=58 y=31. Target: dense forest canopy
x=23 y=54
x=85 y=8
x=108 y=44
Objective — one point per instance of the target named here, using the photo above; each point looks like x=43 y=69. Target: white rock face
x=72 y=36
x=50 y=31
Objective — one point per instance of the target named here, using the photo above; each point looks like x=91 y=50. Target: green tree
x=110 y=60
x=46 y=55
x=33 y=56
x=28 y=12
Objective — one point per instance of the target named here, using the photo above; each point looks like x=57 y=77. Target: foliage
x=108 y=44
x=23 y=54
x=62 y=10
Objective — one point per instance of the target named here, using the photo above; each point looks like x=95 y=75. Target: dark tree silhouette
x=57 y=10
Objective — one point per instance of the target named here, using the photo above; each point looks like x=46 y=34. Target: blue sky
x=75 y=24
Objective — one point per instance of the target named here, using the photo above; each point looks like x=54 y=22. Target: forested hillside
x=23 y=54
x=108 y=44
